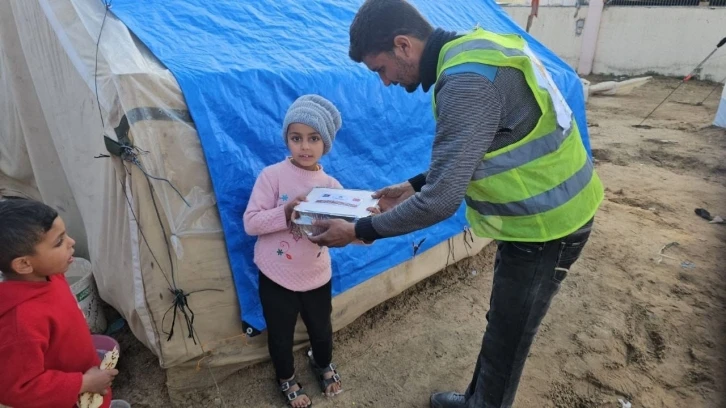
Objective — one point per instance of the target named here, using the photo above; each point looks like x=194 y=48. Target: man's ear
x=22 y=265
x=402 y=45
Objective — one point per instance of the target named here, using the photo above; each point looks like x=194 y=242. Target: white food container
x=328 y=203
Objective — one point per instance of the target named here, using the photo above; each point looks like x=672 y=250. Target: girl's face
x=305 y=144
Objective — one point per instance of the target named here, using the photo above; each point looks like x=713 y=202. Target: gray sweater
x=476 y=115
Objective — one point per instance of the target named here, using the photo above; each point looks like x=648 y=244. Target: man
x=506 y=143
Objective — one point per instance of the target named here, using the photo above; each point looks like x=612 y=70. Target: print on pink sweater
x=282 y=252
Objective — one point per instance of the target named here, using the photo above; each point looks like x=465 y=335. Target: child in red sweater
x=46 y=350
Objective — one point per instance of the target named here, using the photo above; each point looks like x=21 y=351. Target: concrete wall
x=666 y=40
x=556 y=28
x=636 y=40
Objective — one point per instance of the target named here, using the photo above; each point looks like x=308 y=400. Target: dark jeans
x=281 y=307
x=526 y=278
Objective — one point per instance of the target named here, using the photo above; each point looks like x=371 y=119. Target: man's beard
x=407 y=70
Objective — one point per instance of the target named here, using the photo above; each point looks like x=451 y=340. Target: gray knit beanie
x=316 y=112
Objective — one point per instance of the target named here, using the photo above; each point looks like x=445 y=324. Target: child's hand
x=97 y=381
x=290 y=207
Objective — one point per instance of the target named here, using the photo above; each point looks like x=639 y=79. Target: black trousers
x=527 y=276
x=281 y=307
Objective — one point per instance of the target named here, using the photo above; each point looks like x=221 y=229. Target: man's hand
x=290 y=207
x=374 y=210
x=97 y=381
x=394 y=195
x=338 y=233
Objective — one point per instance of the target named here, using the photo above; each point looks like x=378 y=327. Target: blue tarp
x=240 y=64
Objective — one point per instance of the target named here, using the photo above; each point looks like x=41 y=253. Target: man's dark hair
x=378 y=22
x=23 y=223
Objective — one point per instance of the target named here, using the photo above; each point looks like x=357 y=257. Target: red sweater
x=45 y=345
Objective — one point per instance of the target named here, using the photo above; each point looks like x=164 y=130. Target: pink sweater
x=283 y=252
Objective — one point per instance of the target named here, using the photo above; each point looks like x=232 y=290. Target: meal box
x=329 y=203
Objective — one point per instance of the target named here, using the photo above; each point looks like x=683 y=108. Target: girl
x=295 y=273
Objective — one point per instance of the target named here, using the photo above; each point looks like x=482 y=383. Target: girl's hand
x=290 y=207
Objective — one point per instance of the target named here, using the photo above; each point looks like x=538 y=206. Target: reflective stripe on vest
x=481 y=44
x=539 y=203
x=522 y=154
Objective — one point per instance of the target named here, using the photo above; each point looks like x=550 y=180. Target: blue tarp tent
x=241 y=63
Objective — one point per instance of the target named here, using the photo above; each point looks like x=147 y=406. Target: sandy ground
x=626 y=324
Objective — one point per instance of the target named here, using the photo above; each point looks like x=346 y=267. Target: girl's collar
x=301 y=171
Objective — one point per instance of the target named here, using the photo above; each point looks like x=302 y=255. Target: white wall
x=636 y=40
x=555 y=27
x=665 y=40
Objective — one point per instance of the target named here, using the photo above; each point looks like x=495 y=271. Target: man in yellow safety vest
x=506 y=144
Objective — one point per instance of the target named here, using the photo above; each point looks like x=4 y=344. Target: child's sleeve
x=263 y=216
x=335 y=183
x=26 y=383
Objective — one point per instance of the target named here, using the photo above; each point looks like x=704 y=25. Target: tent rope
x=129 y=153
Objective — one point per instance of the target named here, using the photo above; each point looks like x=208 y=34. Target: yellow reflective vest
x=542 y=187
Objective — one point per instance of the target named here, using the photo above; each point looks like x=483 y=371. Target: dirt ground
x=627 y=322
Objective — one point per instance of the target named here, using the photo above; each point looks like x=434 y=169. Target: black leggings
x=281 y=307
